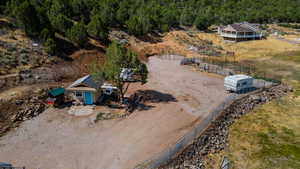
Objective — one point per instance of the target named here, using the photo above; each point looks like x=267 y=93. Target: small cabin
x=86 y=90
x=237 y=83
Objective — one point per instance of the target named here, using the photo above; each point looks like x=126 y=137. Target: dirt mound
x=177 y=42
x=83 y=58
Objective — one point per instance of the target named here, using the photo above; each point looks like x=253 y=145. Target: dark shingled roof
x=242 y=27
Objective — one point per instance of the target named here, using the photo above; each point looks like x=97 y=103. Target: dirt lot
x=57 y=140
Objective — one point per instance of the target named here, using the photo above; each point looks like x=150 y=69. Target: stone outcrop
x=215 y=136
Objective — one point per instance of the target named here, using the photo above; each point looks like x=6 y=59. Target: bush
x=50 y=46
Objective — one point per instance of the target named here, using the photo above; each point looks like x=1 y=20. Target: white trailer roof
x=238 y=77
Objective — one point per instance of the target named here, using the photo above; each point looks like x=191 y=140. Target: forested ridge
x=78 y=19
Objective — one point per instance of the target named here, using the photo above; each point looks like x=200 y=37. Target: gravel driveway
x=56 y=140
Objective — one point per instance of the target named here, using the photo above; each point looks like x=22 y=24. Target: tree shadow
x=65 y=48
x=153 y=37
x=90 y=46
x=153 y=96
x=140 y=99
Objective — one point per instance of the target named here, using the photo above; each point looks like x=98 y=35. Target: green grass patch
x=279 y=148
x=293 y=56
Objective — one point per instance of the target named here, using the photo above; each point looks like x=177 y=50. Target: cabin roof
x=87 y=81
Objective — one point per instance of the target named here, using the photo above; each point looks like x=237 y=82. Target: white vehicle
x=108 y=89
x=237 y=83
x=127 y=74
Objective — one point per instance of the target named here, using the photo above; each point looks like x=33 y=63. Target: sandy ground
x=57 y=140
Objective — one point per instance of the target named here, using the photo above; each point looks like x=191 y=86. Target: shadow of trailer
x=9 y=166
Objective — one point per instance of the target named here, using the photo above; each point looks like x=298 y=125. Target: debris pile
x=215 y=137
x=13 y=112
x=31 y=109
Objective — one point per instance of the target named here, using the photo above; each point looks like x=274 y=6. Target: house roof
x=238 y=77
x=82 y=89
x=87 y=81
x=242 y=27
x=56 y=92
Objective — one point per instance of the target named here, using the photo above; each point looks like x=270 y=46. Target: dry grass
x=253 y=49
x=269 y=136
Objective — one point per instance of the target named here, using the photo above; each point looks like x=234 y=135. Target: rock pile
x=215 y=137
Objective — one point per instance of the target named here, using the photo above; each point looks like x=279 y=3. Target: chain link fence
x=225 y=67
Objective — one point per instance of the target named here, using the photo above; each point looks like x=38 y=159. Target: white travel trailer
x=237 y=83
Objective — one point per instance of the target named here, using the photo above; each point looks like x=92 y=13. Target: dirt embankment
x=215 y=136
x=185 y=43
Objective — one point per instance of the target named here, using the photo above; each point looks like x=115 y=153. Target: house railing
x=229 y=35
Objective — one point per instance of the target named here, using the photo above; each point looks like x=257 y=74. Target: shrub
x=50 y=46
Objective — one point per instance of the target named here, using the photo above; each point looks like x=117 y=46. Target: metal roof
x=56 y=92
x=87 y=81
x=242 y=27
x=238 y=77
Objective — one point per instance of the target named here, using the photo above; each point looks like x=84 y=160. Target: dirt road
x=57 y=140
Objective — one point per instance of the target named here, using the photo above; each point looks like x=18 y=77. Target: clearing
x=57 y=140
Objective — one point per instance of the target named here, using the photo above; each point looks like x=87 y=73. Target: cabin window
x=78 y=94
x=244 y=83
x=238 y=85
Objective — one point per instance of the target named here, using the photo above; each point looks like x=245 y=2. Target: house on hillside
x=86 y=90
x=240 y=32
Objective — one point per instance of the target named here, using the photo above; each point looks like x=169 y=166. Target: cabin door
x=88 y=98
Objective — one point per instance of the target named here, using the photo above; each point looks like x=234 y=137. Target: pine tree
x=97 y=29
x=78 y=34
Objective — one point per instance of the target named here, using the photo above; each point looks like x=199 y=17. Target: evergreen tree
x=117 y=58
x=78 y=34
x=61 y=23
x=27 y=16
x=97 y=29
x=50 y=46
x=139 y=24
